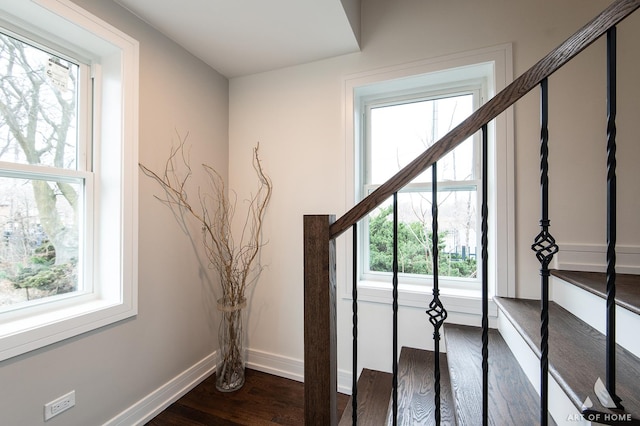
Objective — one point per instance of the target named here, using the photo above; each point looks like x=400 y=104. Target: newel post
x=320 y=358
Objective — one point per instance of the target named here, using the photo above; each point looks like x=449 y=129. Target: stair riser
x=563 y=411
x=583 y=304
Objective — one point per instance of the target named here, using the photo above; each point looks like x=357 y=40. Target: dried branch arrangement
x=236 y=262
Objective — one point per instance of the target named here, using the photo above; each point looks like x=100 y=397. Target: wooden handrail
x=611 y=16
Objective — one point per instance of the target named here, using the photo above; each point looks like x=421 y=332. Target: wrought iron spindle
x=545 y=247
x=354 y=310
x=485 y=279
x=437 y=313
x=395 y=309
x=611 y=217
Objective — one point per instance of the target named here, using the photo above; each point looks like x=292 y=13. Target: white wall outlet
x=59 y=405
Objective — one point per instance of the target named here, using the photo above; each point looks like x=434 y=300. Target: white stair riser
x=563 y=411
x=586 y=305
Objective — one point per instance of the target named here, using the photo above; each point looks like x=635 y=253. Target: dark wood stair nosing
x=416 y=406
x=524 y=315
x=373 y=393
x=512 y=397
x=415 y=392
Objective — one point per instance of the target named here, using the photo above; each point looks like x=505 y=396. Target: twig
x=237 y=266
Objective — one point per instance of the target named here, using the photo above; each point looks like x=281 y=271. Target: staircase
x=564 y=359
x=576 y=354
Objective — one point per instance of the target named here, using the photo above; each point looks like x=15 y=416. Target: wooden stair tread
x=627 y=286
x=416 y=404
x=512 y=398
x=374 y=391
x=576 y=353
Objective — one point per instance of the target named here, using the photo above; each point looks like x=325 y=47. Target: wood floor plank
x=627 y=286
x=512 y=398
x=416 y=406
x=576 y=353
x=374 y=391
x=264 y=399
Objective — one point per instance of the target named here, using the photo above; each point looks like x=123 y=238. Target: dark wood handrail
x=611 y=16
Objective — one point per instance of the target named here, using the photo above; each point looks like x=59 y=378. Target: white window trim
x=501 y=165
x=115 y=138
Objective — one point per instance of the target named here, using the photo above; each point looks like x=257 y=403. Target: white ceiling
x=242 y=37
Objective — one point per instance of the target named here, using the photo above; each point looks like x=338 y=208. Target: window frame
x=443 y=71
x=474 y=88
x=111 y=186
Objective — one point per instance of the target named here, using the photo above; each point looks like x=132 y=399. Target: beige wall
x=114 y=367
x=297 y=114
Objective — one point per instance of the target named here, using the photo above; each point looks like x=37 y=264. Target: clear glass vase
x=230 y=371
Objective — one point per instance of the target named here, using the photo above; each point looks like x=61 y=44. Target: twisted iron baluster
x=545 y=247
x=437 y=313
x=611 y=217
x=485 y=280
x=395 y=308
x=354 y=309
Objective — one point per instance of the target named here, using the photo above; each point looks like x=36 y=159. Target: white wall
x=297 y=115
x=114 y=367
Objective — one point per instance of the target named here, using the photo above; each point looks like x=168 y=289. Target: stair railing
x=321 y=231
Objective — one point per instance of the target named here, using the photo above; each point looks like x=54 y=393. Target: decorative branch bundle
x=236 y=262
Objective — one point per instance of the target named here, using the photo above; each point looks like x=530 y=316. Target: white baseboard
x=593 y=258
x=150 y=406
x=154 y=403
x=290 y=368
x=278 y=365
x=345 y=382
x=158 y=400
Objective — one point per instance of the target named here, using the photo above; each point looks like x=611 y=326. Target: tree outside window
x=41 y=196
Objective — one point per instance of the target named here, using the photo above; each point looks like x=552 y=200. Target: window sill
x=464 y=301
x=30 y=332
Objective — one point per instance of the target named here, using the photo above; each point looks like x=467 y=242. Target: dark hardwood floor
x=263 y=400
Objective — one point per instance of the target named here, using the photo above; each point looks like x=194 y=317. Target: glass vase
x=230 y=371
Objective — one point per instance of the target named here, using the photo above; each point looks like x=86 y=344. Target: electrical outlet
x=59 y=405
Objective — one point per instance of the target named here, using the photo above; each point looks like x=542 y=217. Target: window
x=68 y=158
x=393 y=115
x=43 y=175
x=396 y=130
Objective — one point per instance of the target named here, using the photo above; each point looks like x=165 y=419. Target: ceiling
x=242 y=37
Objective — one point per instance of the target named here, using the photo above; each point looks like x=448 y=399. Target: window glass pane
x=457 y=213
x=40 y=245
x=38 y=106
x=399 y=133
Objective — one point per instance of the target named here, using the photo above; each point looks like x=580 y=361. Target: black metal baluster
x=354 y=309
x=611 y=217
x=545 y=247
x=485 y=279
x=395 y=308
x=437 y=313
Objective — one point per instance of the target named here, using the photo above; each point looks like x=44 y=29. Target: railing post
x=320 y=357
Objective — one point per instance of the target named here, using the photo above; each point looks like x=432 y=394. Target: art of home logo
x=606 y=401
x=606 y=418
